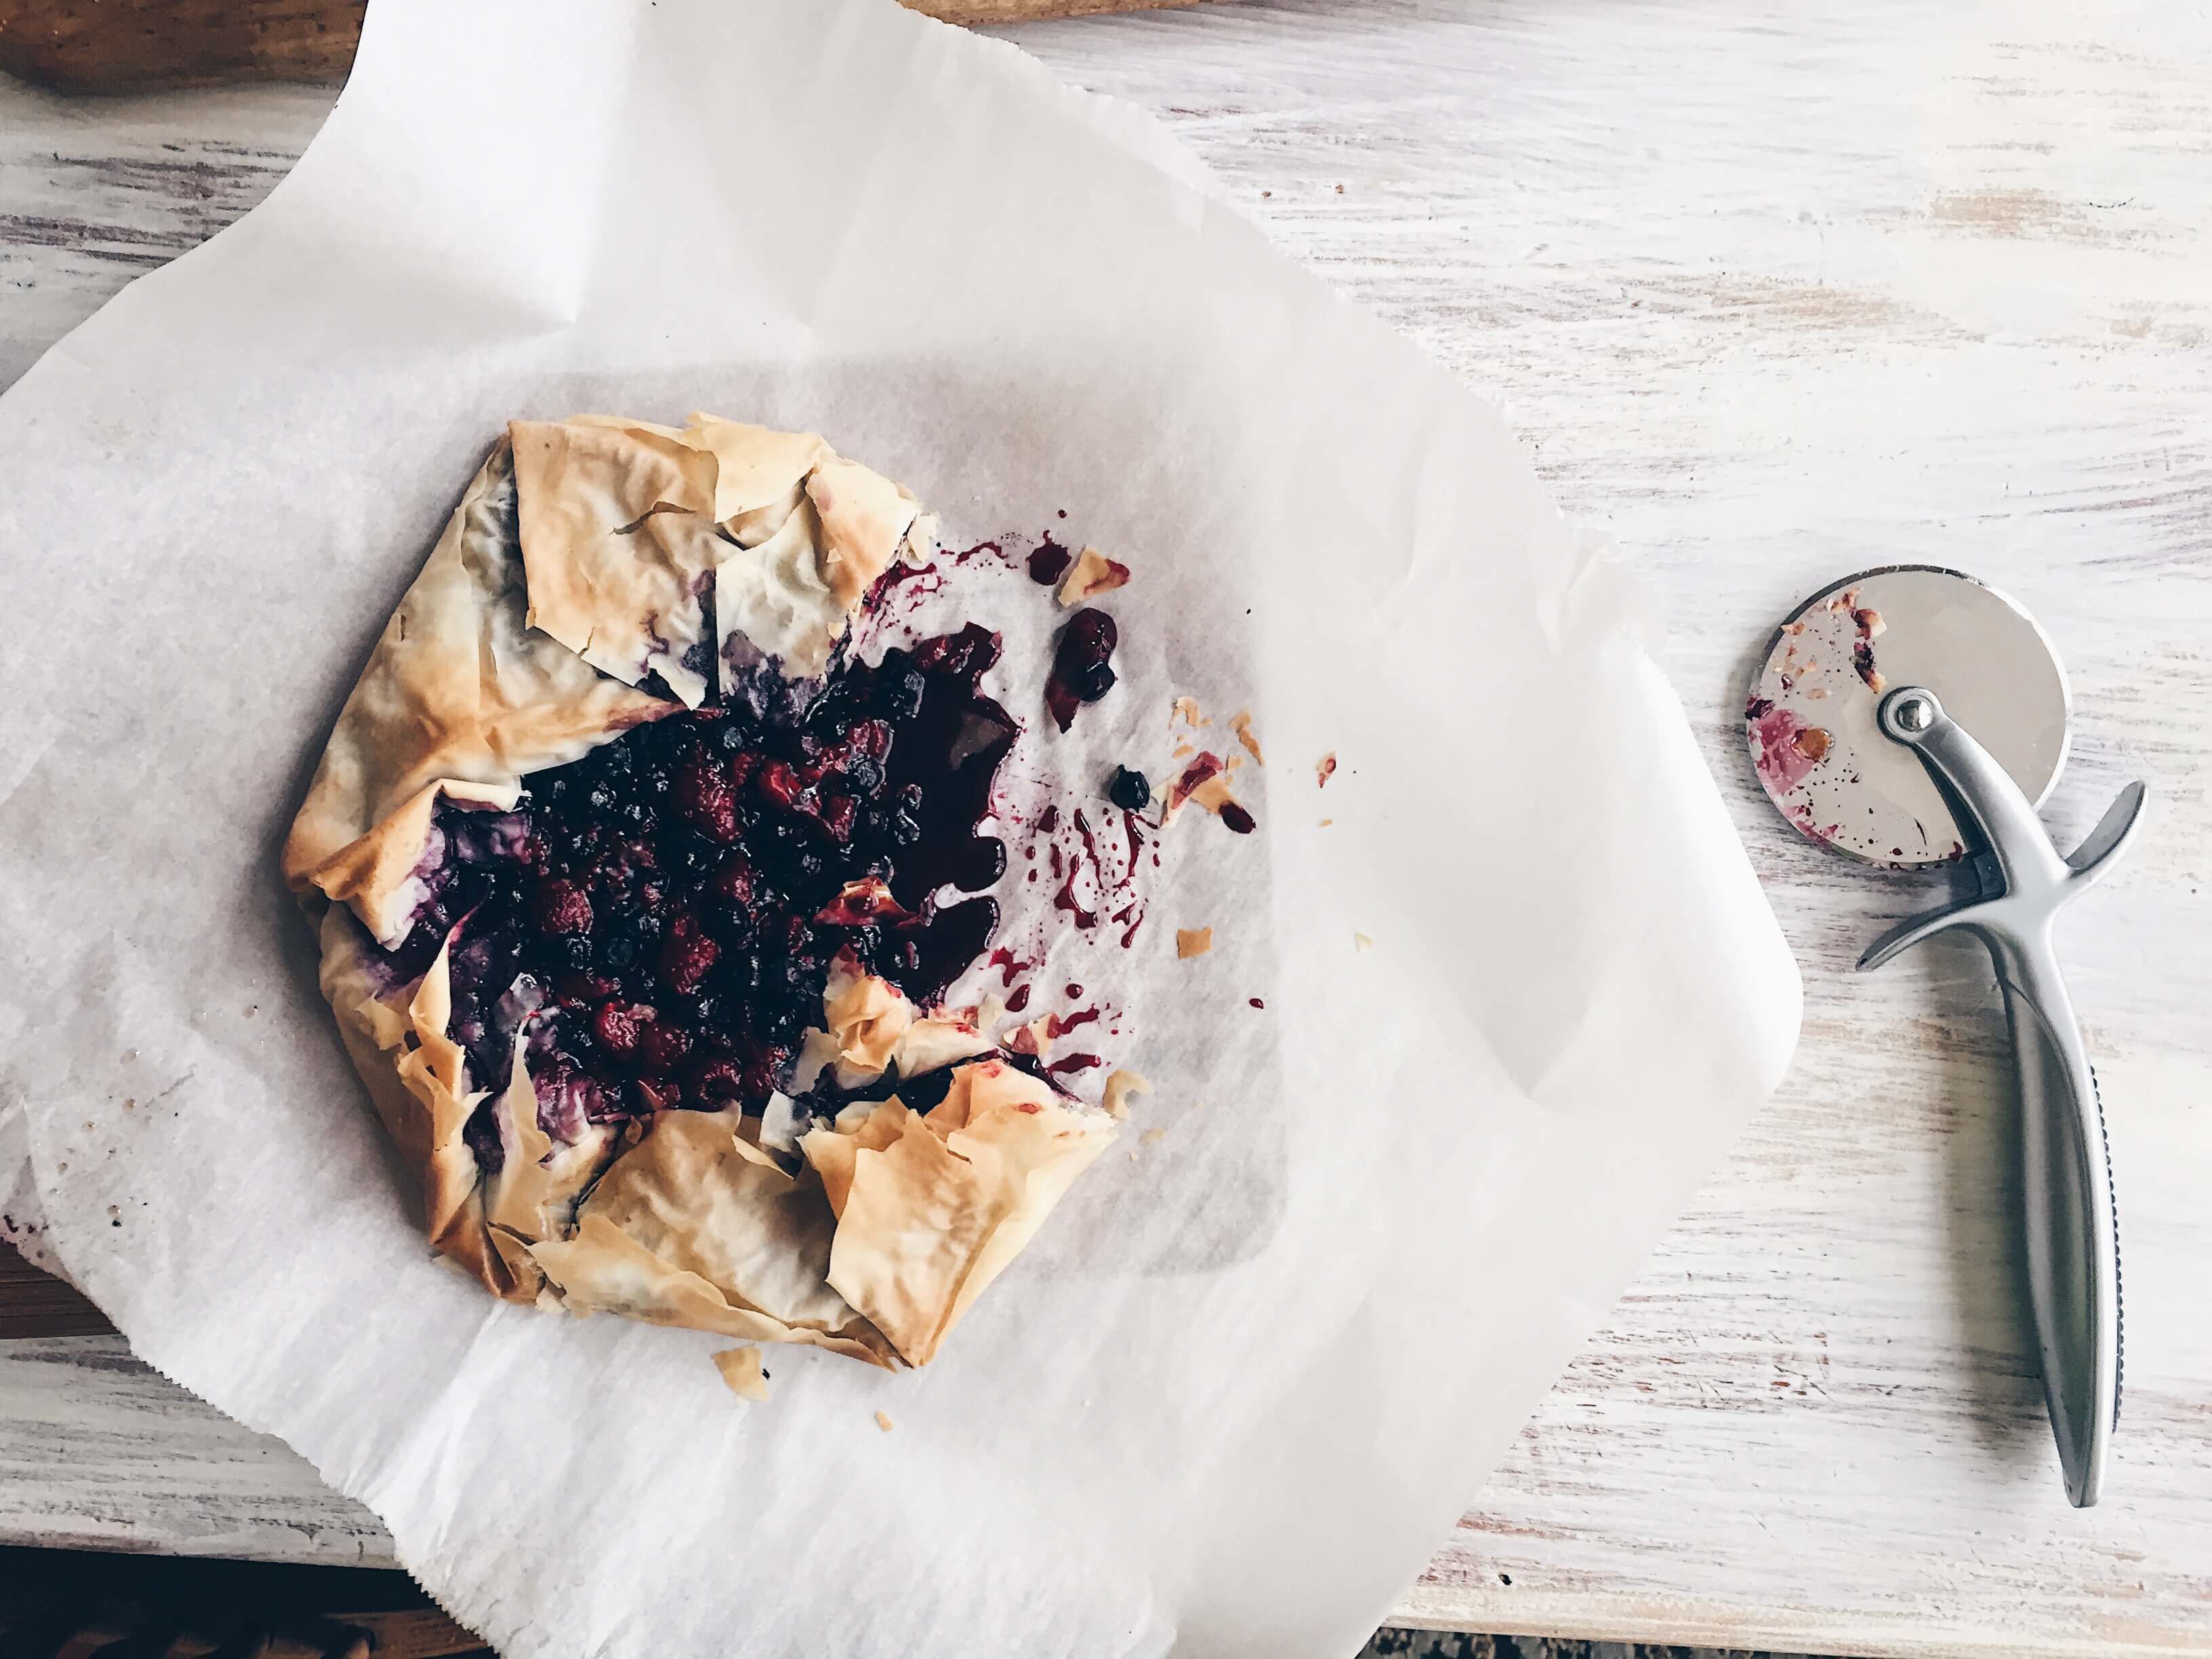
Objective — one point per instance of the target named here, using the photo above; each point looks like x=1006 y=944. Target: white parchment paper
x=1236 y=1394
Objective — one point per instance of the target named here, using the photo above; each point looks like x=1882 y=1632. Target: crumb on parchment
x=1120 y=1086
x=884 y=1421
x=1093 y=574
x=1241 y=724
x=741 y=1370
x=1192 y=942
x=1186 y=710
x=1324 y=769
x=1361 y=942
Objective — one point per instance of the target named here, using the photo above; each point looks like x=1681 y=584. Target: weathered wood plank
x=1770 y=299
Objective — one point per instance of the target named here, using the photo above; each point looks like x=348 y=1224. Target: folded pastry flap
x=603 y=1270
x=863 y=518
x=932 y=1217
x=930 y=1045
x=830 y=1152
x=768 y=591
x=866 y=1015
x=756 y=466
x=742 y=1372
x=383 y=1037
x=533 y=1193
x=617 y=531
x=706 y=1201
x=476 y=1247
x=459 y=697
x=525 y=1279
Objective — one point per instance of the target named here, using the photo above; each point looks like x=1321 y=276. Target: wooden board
x=1769 y=298
x=138 y=45
x=34 y=1303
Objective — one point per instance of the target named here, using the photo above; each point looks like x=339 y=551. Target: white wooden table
x=1771 y=298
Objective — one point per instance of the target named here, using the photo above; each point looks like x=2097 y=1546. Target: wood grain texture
x=139 y=45
x=36 y=1304
x=1769 y=300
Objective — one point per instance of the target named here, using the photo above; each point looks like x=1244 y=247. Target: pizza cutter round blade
x=1811 y=719
x=1912 y=716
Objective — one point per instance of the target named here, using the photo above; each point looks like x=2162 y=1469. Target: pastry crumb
x=1361 y=942
x=1325 y=823
x=1186 y=710
x=1192 y=942
x=1120 y=1086
x=1094 y=573
x=1242 y=725
x=1324 y=769
x=1151 y=1137
x=884 y=1421
x=741 y=1370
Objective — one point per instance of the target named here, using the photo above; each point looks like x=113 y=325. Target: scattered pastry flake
x=1324 y=769
x=884 y=1421
x=859 y=903
x=1206 y=780
x=1325 y=823
x=1120 y=1086
x=1094 y=573
x=1812 y=742
x=1361 y=942
x=1192 y=942
x=1183 y=748
x=1242 y=725
x=1186 y=710
x=1153 y=1137
x=741 y=1370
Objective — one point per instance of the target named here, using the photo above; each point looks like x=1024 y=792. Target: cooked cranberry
x=581 y=990
x=617 y=1025
x=734 y=880
x=659 y=1047
x=704 y=797
x=717 y=1079
x=561 y=907
x=779 y=784
x=685 y=959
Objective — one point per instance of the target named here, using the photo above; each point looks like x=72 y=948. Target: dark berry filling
x=668 y=906
x=1048 y=562
x=1130 y=790
x=1082 y=665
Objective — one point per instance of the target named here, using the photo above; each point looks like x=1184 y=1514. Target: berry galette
x=638 y=895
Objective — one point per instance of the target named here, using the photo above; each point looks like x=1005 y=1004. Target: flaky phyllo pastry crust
x=579 y=577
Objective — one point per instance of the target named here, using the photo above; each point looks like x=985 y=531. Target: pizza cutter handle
x=2071 y=1228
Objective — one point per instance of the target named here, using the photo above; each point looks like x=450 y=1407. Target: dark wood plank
x=72 y=1601
x=139 y=45
x=36 y=1304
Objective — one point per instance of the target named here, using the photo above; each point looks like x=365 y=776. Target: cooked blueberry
x=1130 y=790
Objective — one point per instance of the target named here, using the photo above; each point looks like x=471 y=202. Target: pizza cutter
x=1911 y=717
